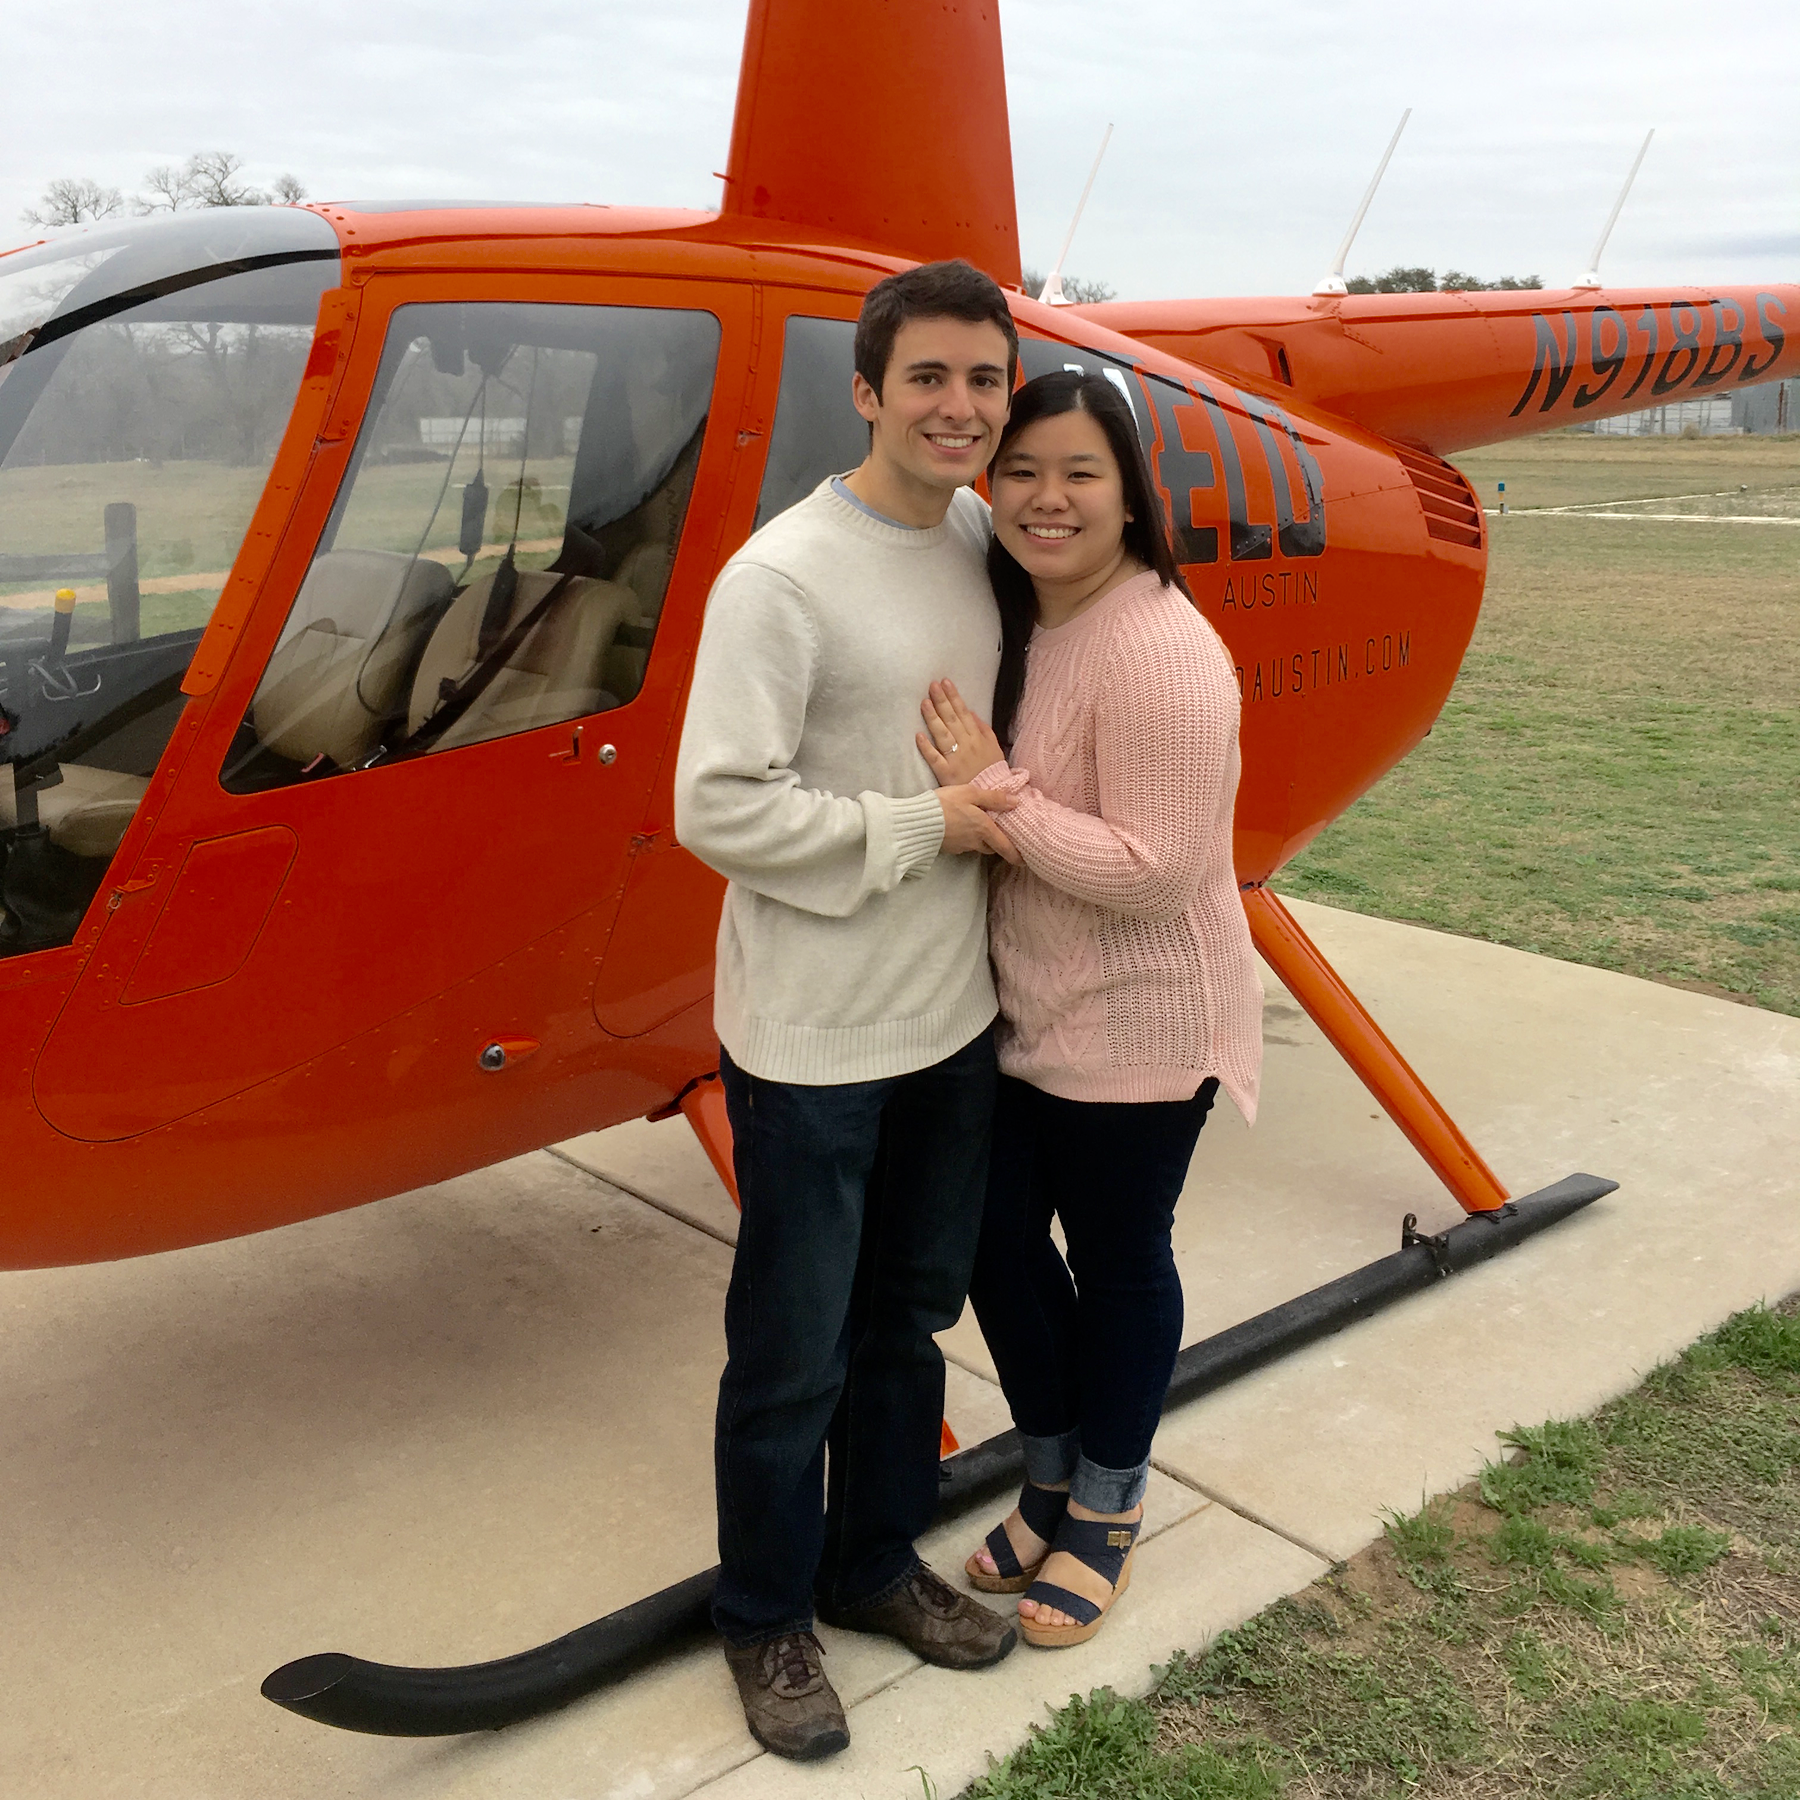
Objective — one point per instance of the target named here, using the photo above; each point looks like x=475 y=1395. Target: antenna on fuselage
x=1334 y=282
x=1592 y=278
x=1051 y=293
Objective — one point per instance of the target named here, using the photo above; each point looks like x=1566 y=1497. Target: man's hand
x=969 y=825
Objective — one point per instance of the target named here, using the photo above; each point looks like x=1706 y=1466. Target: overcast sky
x=1244 y=134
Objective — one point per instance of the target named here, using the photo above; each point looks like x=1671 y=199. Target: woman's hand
x=955 y=744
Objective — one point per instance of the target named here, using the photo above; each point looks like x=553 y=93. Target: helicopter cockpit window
x=817 y=431
x=498 y=557
x=147 y=371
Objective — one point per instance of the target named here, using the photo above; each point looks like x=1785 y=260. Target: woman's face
x=1059 y=504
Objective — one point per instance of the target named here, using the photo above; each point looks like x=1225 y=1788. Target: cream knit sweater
x=1124 y=960
x=849 y=949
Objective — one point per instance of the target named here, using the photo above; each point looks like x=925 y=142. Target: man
x=854 y=1007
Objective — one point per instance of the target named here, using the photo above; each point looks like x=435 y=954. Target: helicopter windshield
x=147 y=371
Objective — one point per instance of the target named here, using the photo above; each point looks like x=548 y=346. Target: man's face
x=942 y=403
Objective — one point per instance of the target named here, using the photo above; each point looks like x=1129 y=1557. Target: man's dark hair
x=939 y=290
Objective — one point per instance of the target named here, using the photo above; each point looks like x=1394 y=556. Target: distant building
x=1757 y=410
x=1762 y=410
x=502 y=435
x=491 y=434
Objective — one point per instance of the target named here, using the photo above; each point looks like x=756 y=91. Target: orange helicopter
x=352 y=561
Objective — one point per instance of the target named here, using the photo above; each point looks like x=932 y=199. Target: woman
x=1128 y=990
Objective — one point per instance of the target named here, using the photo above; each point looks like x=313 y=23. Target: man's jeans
x=861 y=1211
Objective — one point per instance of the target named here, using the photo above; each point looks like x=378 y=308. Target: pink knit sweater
x=1123 y=957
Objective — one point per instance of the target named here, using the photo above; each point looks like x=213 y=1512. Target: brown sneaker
x=933 y=1621
x=788 y=1704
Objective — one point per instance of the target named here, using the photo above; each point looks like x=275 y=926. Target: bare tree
x=207 y=178
x=165 y=190
x=73 y=200
x=210 y=178
x=213 y=180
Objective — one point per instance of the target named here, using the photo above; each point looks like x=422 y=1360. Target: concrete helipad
x=458 y=1423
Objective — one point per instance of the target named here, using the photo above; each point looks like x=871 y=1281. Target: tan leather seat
x=645 y=570
x=336 y=675
x=556 y=673
x=86 y=812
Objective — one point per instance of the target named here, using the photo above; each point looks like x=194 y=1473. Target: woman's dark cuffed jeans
x=861 y=1207
x=1085 y=1348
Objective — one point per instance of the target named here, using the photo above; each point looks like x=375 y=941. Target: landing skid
x=390 y=1701
x=354 y=1695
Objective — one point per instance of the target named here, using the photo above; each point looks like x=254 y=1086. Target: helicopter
x=352 y=563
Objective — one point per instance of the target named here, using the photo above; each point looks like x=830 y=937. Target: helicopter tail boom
x=1447 y=371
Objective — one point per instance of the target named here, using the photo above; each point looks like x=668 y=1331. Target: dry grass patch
x=1571 y=469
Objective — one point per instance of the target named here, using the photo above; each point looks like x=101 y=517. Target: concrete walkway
x=458 y=1423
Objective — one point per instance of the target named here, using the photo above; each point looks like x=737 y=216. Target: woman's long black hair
x=1146 y=528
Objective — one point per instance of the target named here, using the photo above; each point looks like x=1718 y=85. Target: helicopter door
x=671 y=898
x=422 y=774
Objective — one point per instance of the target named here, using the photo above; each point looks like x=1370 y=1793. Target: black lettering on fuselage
x=1724 y=336
x=1115 y=377
x=1184 y=473
x=1558 y=358
x=1687 y=340
x=1669 y=361
x=1297 y=537
x=1647 y=319
x=1285 y=675
x=1772 y=335
x=1249 y=543
x=1605 y=363
x=1181 y=472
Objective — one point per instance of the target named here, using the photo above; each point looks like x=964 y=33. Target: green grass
x=389 y=507
x=1615 y=778
x=1105 y=1748
x=191 y=515
x=1613 y=1613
